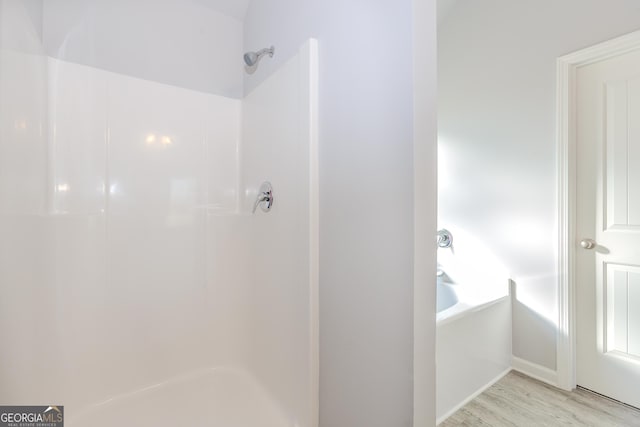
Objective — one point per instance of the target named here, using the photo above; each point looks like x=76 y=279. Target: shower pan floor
x=214 y=398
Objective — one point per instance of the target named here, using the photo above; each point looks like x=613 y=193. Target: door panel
x=622 y=321
x=622 y=150
x=608 y=211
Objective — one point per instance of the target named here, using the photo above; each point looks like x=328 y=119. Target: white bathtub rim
x=463 y=309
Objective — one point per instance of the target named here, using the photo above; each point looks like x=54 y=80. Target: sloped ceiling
x=238 y=8
x=234 y=8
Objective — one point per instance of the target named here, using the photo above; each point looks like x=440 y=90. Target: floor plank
x=519 y=401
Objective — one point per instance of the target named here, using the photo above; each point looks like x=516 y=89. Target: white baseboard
x=530 y=369
x=473 y=396
x=535 y=371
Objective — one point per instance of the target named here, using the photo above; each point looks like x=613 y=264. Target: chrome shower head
x=252 y=58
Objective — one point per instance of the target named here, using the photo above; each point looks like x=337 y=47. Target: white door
x=608 y=217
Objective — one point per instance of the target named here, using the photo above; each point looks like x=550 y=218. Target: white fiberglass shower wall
x=133 y=274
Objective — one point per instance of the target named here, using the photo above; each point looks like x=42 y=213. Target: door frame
x=566 y=176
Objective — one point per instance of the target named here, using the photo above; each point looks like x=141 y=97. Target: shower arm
x=265 y=51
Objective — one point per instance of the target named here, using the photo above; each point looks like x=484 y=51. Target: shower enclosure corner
x=136 y=283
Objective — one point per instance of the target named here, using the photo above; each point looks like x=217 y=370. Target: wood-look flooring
x=520 y=401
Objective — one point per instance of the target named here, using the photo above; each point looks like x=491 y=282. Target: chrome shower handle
x=444 y=238
x=262 y=197
x=265 y=198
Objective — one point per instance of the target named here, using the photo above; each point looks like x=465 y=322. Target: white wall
x=21 y=28
x=182 y=43
x=497 y=138
x=366 y=196
x=425 y=193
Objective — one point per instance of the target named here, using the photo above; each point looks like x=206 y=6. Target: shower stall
x=135 y=273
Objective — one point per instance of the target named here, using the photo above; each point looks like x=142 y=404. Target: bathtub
x=455 y=300
x=221 y=397
x=473 y=340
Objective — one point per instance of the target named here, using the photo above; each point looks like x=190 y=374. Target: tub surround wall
x=125 y=224
x=23 y=174
x=279 y=136
x=498 y=142
x=131 y=162
x=127 y=233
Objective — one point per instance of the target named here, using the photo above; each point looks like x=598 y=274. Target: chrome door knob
x=588 y=244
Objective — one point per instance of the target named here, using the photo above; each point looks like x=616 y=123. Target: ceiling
x=234 y=8
x=238 y=8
